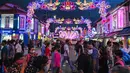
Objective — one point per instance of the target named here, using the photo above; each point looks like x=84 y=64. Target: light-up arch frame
x=103 y=6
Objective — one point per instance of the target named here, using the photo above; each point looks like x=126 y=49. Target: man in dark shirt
x=85 y=62
x=79 y=48
x=4 y=52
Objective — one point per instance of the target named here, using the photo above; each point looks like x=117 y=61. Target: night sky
x=90 y=14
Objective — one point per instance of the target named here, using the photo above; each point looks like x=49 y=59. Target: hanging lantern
x=78 y=2
x=57 y=3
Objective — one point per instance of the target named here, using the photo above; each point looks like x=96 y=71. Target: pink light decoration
x=120 y=18
x=22 y=22
x=92 y=6
x=69 y=21
x=29 y=21
x=44 y=6
x=68 y=6
x=103 y=6
x=104 y=21
x=87 y=5
x=69 y=34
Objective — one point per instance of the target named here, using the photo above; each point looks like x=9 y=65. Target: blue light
x=18 y=23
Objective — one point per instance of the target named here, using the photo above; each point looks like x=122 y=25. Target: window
x=114 y=22
x=21 y=22
x=114 y=26
x=32 y=24
x=7 y=21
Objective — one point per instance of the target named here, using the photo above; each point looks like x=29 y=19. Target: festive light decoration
x=44 y=6
x=68 y=6
x=103 y=6
x=57 y=3
x=78 y=2
x=69 y=32
x=69 y=21
x=52 y=6
x=86 y=6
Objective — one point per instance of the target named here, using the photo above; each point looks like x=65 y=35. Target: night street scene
x=64 y=36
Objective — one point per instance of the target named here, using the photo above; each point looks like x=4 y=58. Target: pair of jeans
x=66 y=58
x=55 y=69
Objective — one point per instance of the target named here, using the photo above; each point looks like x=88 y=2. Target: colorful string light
x=103 y=6
x=68 y=6
x=69 y=21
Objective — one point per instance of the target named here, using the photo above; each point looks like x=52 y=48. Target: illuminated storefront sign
x=6 y=31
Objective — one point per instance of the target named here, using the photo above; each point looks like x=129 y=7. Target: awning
x=112 y=34
x=125 y=31
x=98 y=36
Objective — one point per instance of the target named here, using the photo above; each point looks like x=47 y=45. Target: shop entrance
x=6 y=36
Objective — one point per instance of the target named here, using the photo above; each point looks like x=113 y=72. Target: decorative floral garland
x=69 y=21
x=66 y=6
x=103 y=6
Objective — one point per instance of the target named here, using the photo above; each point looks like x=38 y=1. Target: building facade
x=116 y=21
x=13 y=23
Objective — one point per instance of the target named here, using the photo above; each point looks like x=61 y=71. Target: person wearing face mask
x=85 y=62
x=95 y=56
x=31 y=54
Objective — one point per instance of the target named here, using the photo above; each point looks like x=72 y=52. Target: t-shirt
x=18 y=48
x=126 y=56
x=47 y=52
x=57 y=59
x=66 y=49
x=4 y=51
x=79 y=47
x=43 y=50
x=109 y=49
x=85 y=63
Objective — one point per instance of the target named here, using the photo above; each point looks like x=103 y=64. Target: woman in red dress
x=48 y=54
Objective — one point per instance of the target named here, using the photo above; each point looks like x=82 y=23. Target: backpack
x=126 y=57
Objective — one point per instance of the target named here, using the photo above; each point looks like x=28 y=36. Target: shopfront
x=129 y=42
x=125 y=34
x=5 y=35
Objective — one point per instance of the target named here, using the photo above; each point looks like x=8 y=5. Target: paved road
x=66 y=67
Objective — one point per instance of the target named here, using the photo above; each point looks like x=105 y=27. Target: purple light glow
x=120 y=18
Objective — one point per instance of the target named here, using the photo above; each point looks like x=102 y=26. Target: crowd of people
x=82 y=57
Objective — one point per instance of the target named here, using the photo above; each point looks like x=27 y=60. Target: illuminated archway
x=102 y=6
